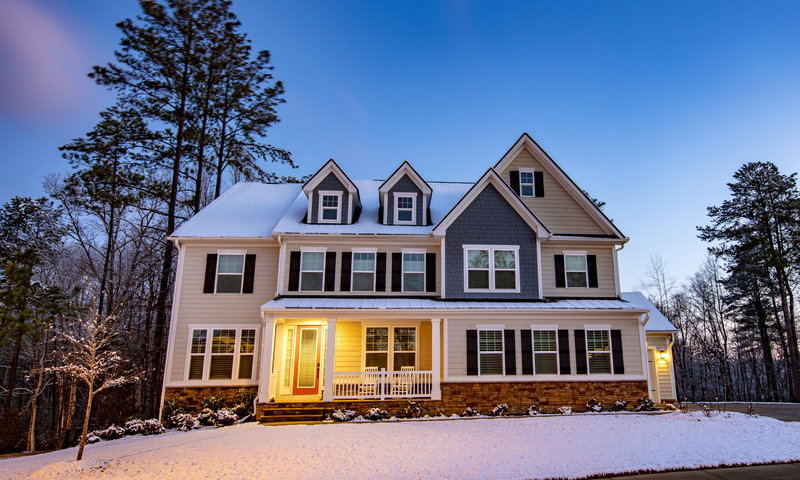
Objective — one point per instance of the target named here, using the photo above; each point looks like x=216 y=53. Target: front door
x=307 y=360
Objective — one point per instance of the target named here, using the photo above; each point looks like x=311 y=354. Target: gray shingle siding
x=330 y=183
x=490 y=220
x=405 y=185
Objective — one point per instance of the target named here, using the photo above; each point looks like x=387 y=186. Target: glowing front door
x=306 y=364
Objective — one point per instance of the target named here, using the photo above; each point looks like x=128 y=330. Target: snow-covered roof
x=658 y=322
x=426 y=304
x=247 y=209
x=445 y=195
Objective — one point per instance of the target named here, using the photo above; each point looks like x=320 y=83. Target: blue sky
x=649 y=106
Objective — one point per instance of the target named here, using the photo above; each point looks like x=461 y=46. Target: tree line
x=193 y=104
x=737 y=335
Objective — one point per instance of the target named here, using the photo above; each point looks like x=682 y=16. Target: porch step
x=269 y=414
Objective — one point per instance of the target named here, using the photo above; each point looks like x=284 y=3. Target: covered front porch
x=313 y=359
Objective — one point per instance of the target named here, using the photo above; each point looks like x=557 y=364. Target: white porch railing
x=382 y=385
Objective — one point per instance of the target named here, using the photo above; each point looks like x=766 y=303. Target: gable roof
x=491 y=177
x=525 y=141
x=405 y=168
x=657 y=322
x=330 y=167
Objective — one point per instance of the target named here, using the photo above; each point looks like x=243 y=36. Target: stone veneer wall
x=190 y=397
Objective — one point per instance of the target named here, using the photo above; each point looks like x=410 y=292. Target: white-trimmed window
x=381 y=353
x=576 y=269
x=491 y=268
x=413 y=271
x=545 y=350
x=598 y=348
x=330 y=203
x=490 y=352
x=230 y=272
x=312 y=271
x=405 y=208
x=363 y=271
x=222 y=354
x=526 y=183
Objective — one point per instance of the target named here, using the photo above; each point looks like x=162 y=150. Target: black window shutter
x=561 y=280
x=515 y=180
x=510 y=352
x=380 y=272
x=591 y=264
x=294 y=271
x=580 y=353
x=472 y=352
x=538 y=183
x=527 y=351
x=397 y=272
x=616 y=352
x=380 y=215
x=330 y=271
x=563 y=352
x=430 y=272
x=249 y=273
x=211 y=273
x=347 y=264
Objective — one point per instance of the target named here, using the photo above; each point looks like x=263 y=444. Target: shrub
x=243 y=403
x=143 y=427
x=184 y=422
x=412 y=410
x=565 y=410
x=594 y=405
x=750 y=412
x=470 y=412
x=172 y=407
x=375 y=414
x=340 y=415
x=644 y=404
x=532 y=410
x=225 y=418
x=207 y=418
x=213 y=403
x=707 y=409
x=500 y=410
x=111 y=433
x=670 y=407
x=619 y=405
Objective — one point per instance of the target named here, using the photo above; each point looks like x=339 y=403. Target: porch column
x=267 y=342
x=436 y=391
x=330 y=357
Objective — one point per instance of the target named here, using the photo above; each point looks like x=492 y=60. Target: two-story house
x=353 y=293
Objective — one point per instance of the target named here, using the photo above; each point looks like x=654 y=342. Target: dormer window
x=405 y=211
x=526 y=183
x=330 y=206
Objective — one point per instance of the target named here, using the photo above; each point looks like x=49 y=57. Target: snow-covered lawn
x=573 y=446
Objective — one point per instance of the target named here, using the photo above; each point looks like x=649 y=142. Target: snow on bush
x=619 y=405
x=470 y=412
x=225 y=418
x=213 y=403
x=565 y=410
x=184 y=422
x=172 y=408
x=670 y=407
x=207 y=418
x=594 y=405
x=644 y=404
x=500 y=410
x=412 y=410
x=244 y=403
x=532 y=410
x=376 y=414
x=340 y=415
x=143 y=427
x=111 y=433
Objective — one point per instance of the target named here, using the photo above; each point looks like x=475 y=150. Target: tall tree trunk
x=791 y=333
x=86 y=419
x=35 y=401
x=766 y=346
x=12 y=376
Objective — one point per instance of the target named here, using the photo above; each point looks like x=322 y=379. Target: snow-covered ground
x=573 y=446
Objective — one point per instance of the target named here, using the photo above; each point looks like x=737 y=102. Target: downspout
x=281 y=261
x=173 y=319
x=616 y=269
x=643 y=341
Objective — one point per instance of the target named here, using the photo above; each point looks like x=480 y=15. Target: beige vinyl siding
x=606 y=286
x=558 y=210
x=290 y=247
x=348 y=347
x=628 y=325
x=657 y=341
x=196 y=307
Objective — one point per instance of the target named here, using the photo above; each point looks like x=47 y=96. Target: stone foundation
x=190 y=397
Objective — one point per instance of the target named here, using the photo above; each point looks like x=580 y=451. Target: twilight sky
x=649 y=106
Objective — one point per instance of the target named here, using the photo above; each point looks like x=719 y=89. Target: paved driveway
x=787 y=412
